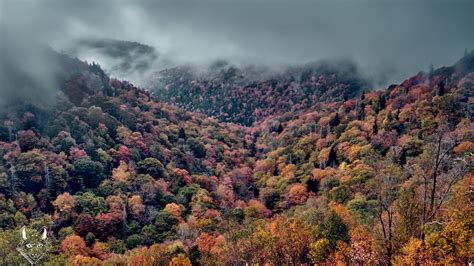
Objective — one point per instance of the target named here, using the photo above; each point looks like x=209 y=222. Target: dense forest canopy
x=242 y=96
x=308 y=166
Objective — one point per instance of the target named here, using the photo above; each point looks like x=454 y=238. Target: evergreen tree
x=334 y=229
x=182 y=133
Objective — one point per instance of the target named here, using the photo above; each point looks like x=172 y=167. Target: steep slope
x=396 y=162
x=120 y=178
x=111 y=146
x=242 y=96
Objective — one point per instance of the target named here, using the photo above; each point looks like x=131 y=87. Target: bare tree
x=437 y=171
x=388 y=178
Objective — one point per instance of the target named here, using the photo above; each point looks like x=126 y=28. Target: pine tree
x=182 y=133
x=441 y=89
x=375 y=128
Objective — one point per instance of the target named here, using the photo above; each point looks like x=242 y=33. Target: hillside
x=240 y=95
x=314 y=170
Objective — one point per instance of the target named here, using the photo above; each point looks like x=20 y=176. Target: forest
x=308 y=167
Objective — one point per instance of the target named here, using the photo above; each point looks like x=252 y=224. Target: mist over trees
x=237 y=132
x=352 y=176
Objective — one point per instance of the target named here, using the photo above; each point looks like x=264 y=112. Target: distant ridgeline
x=243 y=96
x=324 y=174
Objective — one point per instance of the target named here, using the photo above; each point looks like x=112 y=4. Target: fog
x=390 y=40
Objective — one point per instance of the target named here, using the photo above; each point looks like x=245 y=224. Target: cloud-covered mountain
x=122 y=59
x=388 y=39
x=120 y=178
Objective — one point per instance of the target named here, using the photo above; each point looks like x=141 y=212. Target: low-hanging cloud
x=390 y=40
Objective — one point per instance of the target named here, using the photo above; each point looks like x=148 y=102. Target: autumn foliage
x=314 y=169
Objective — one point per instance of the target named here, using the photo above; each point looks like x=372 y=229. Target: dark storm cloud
x=388 y=39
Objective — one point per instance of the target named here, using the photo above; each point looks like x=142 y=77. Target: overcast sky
x=396 y=38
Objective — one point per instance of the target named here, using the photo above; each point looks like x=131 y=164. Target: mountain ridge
x=118 y=177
